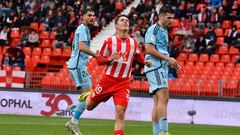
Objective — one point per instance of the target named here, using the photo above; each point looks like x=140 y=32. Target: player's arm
x=150 y=49
x=139 y=57
x=83 y=48
x=104 y=58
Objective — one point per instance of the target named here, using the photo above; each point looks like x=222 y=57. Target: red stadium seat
x=214 y=58
x=193 y=57
x=7 y=68
x=66 y=52
x=27 y=50
x=37 y=51
x=233 y=50
x=234 y=58
x=17 y=68
x=225 y=58
x=203 y=57
x=145 y=85
x=237 y=23
x=223 y=49
x=66 y=80
x=189 y=63
x=230 y=65
x=45 y=59
x=45 y=43
x=209 y=64
x=135 y=85
x=219 y=32
x=53 y=43
x=34 y=25
x=35 y=58
x=44 y=35
x=220 y=65
x=205 y=30
x=220 y=41
x=57 y=52
x=47 y=51
x=199 y=64
x=175 y=23
x=15 y=34
x=15 y=42
x=27 y=59
x=182 y=57
x=226 y=24
x=41 y=27
x=65 y=71
x=52 y=35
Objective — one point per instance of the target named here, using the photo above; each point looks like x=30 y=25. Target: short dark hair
x=88 y=9
x=117 y=18
x=166 y=9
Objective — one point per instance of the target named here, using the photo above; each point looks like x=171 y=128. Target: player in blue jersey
x=157 y=51
x=77 y=65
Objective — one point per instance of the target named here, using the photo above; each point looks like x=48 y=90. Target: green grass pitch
x=33 y=125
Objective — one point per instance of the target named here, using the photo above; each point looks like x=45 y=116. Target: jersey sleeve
x=82 y=35
x=139 y=57
x=104 y=50
x=150 y=38
x=103 y=55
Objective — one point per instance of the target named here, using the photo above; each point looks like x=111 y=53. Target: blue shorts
x=157 y=79
x=81 y=78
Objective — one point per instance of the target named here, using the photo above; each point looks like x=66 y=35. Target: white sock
x=75 y=121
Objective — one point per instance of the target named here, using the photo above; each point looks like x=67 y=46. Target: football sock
x=79 y=110
x=118 y=132
x=156 y=128
x=163 y=125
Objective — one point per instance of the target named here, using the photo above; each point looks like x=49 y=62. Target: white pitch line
x=60 y=124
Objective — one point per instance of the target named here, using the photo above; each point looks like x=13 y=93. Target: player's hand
x=114 y=56
x=148 y=63
x=174 y=63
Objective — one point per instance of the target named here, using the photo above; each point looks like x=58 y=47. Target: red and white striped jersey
x=122 y=67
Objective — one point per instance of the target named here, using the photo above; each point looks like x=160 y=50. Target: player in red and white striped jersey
x=127 y=49
x=117 y=53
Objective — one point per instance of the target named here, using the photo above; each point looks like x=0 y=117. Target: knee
x=89 y=106
x=164 y=101
x=120 y=114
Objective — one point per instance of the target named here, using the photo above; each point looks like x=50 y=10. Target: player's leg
x=163 y=96
x=119 y=114
x=121 y=99
x=83 y=83
x=155 y=123
x=152 y=79
x=158 y=88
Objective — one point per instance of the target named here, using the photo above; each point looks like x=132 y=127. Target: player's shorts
x=109 y=87
x=157 y=79
x=81 y=78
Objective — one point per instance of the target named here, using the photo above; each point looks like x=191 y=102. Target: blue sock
x=163 y=125
x=79 y=110
x=156 y=128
